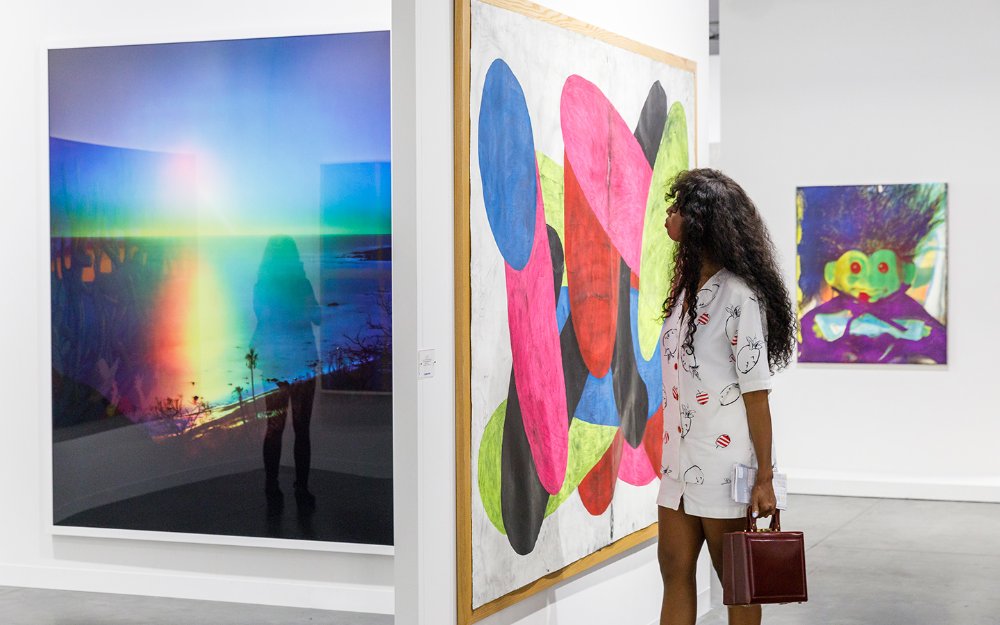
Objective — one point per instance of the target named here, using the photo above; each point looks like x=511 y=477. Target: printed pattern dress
x=705 y=430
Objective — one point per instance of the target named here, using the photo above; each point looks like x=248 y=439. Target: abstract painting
x=574 y=135
x=220 y=275
x=872 y=273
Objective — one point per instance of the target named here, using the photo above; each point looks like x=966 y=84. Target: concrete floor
x=892 y=562
x=24 y=606
x=870 y=562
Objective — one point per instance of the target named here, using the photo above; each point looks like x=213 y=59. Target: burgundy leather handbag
x=763 y=566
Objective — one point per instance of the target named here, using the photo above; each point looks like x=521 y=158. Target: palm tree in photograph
x=251 y=359
x=238 y=391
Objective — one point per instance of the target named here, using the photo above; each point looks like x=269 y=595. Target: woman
x=286 y=310
x=729 y=326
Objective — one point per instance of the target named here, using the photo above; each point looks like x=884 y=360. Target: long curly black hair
x=722 y=224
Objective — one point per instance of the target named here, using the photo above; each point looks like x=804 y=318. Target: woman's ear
x=909 y=273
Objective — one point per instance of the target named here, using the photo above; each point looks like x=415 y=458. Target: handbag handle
x=752 y=523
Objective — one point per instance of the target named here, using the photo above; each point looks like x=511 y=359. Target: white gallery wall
x=29 y=556
x=626 y=590
x=865 y=92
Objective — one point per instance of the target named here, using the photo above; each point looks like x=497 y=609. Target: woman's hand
x=762 y=499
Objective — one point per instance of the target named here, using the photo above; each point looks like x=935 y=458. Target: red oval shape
x=592 y=266
x=598 y=487
x=652 y=441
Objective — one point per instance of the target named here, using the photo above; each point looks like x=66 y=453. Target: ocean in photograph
x=156 y=327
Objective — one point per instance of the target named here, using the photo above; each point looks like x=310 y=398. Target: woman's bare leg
x=680 y=540
x=713 y=530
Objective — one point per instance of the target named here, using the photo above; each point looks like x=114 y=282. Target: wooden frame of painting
x=679 y=77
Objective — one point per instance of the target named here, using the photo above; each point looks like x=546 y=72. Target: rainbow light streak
x=171 y=167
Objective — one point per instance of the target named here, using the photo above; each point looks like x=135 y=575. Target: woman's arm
x=762 y=499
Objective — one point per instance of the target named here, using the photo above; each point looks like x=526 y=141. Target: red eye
x=855 y=267
x=883 y=267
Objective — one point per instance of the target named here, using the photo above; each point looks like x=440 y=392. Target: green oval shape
x=490 y=446
x=587 y=444
x=656 y=266
x=551 y=176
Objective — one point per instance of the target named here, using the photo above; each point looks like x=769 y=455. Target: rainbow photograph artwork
x=220 y=262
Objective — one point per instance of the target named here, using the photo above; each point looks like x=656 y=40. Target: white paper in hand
x=743 y=479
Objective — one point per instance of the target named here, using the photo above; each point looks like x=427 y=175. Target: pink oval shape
x=635 y=468
x=609 y=164
x=538 y=370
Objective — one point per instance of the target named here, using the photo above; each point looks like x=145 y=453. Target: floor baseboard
x=808 y=482
x=322 y=596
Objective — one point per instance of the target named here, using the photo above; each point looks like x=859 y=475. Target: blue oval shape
x=597 y=404
x=651 y=370
x=507 y=164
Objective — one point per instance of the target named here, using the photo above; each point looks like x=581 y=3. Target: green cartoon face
x=868 y=278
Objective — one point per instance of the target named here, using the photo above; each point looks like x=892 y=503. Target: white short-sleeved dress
x=705 y=430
